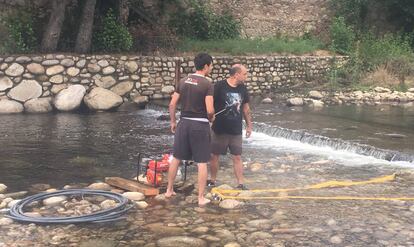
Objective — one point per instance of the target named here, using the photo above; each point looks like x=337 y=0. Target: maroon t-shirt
x=193 y=90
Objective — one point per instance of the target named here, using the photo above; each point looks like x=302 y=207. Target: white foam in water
x=340 y=156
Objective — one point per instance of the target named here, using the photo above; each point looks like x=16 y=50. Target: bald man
x=231 y=104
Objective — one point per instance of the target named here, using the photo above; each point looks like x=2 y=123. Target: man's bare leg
x=238 y=168
x=214 y=166
x=172 y=173
x=202 y=180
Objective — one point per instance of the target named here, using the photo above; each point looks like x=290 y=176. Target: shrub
x=342 y=36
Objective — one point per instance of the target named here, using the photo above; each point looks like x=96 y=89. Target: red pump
x=155 y=170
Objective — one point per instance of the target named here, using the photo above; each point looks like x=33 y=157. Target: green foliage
x=342 y=36
x=113 y=36
x=353 y=11
x=202 y=24
x=21 y=36
x=252 y=46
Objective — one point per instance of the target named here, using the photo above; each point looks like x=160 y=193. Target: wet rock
x=258 y=236
x=102 y=99
x=200 y=230
x=40 y=105
x=163 y=230
x=382 y=90
x=317 y=104
x=256 y=167
x=98 y=243
x=267 y=101
x=142 y=204
x=10 y=106
x=35 y=188
x=134 y=196
x=5 y=221
x=262 y=224
x=27 y=89
x=160 y=197
x=163 y=118
x=295 y=102
x=397 y=136
x=5 y=83
x=182 y=241
x=3 y=188
x=123 y=88
x=230 y=204
x=54 y=201
x=140 y=100
x=12 y=203
x=315 y=95
x=107 y=204
x=232 y=244
x=15 y=70
x=225 y=234
x=331 y=222
x=100 y=186
x=69 y=99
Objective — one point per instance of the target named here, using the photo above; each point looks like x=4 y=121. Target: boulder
x=36 y=69
x=102 y=99
x=131 y=66
x=267 y=101
x=315 y=95
x=123 y=88
x=39 y=105
x=10 y=106
x=105 y=82
x=15 y=70
x=54 y=70
x=295 y=102
x=182 y=241
x=69 y=99
x=27 y=89
x=5 y=83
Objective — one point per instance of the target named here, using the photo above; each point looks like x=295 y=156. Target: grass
x=279 y=45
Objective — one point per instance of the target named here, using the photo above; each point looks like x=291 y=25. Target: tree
x=54 y=27
x=84 y=38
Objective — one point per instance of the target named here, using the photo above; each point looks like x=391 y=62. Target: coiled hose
x=112 y=214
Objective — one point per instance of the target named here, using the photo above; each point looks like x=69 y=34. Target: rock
x=142 y=204
x=335 y=240
x=67 y=62
x=107 y=204
x=10 y=106
x=395 y=135
x=267 y=101
x=140 y=100
x=182 y=241
x=317 y=103
x=103 y=63
x=131 y=66
x=23 y=59
x=230 y=204
x=27 y=89
x=73 y=71
x=295 y=102
x=168 y=89
x=411 y=90
x=134 y=196
x=36 y=69
x=225 y=234
x=100 y=186
x=54 y=201
x=160 y=197
x=57 y=88
x=15 y=70
x=315 y=95
x=262 y=224
x=5 y=221
x=163 y=118
x=33 y=214
x=102 y=99
x=57 y=79
x=232 y=244
x=40 y=105
x=123 y=88
x=108 y=70
x=54 y=70
x=12 y=203
x=200 y=230
x=256 y=167
x=69 y=99
x=3 y=188
x=50 y=62
x=39 y=187
x=382 y=90
x=99 y=243
x=105 y=82
x=5 y=83
x=258 y=236
x=93 y=68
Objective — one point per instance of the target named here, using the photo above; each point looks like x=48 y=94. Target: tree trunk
x=84 y=38
x=123 y=9
x=54 y=27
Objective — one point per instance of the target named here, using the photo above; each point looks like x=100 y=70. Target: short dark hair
x=234 y=70
x=201 y=60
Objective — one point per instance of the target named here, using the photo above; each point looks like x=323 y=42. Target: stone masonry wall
x=41 y=83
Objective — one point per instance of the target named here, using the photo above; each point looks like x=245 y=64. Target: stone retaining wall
x=106 y=81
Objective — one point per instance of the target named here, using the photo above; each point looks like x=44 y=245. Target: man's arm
x=172 y=107
x=248 y=118
x=210 y=107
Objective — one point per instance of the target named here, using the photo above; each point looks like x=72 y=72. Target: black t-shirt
x=231 y=100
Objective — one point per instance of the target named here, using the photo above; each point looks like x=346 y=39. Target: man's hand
x=173 y=127
x=248 y=131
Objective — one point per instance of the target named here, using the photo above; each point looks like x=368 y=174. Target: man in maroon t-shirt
x=192 y=134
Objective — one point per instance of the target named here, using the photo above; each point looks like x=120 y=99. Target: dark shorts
x=192 y=141
x=221 y=143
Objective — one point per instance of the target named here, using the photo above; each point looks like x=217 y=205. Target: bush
x=113 y=36
x=21 y=36
x=201 y=23
x=342 y=37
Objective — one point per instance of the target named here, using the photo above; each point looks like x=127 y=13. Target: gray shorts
x=221 y=143
x=192 y=141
